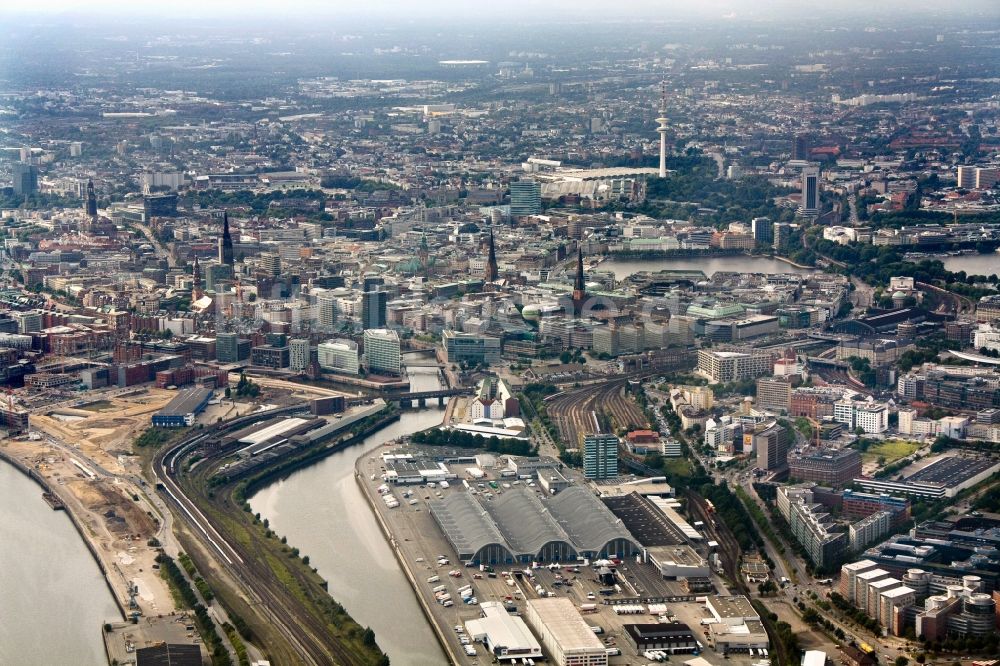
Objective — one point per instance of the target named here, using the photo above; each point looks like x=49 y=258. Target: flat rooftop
x=732 y=608
x=951 y=471
x=566 y=625
x=644 y=521
x=186 y=401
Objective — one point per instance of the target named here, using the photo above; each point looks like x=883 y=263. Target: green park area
x=889 y=451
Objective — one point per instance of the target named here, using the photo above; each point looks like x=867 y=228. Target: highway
x=307 y=636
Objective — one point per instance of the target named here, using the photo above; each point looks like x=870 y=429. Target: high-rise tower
x=491 y=272
x=809 y=206
x=226 y=243
x=579 y=287
x=91 y=205
x=662 y=129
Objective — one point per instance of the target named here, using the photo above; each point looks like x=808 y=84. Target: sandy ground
x=90 y=466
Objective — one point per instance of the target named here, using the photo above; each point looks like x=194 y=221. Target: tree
x=902 y=661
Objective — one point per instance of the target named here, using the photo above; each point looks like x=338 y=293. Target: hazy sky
x=574 y=9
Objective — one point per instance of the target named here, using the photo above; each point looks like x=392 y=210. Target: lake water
x=323 y=513
x=53 y=599
x=973 y=264
x=740 y=263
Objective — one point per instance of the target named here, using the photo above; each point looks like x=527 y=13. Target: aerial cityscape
x=561 y=333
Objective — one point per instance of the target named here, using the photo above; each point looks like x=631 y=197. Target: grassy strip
x=238 y=645
x=206 y=628
x=762 y=522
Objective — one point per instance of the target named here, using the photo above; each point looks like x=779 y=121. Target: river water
x=53 y=599
x=323 y=513
x=740 y=263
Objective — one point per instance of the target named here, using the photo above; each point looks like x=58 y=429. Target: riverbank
x=116 y=594
x=439 y=631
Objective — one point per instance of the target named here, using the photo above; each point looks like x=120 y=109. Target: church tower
x=491 y=273
x=226 y=243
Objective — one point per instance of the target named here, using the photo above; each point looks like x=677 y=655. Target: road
x=161 y=251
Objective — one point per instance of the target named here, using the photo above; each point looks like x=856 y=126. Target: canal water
x=323 y=513
x=53 y=599
x=740 y=263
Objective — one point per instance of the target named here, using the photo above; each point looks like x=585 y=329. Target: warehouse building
x=504 y=635
x=567 y=638
x=181 y=411
x=518 y=527
x=672 y=637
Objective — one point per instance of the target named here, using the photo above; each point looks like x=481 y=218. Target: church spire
x=226 y=242
x=196 y=280
x=492 y=272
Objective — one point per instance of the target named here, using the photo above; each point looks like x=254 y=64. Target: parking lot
x=421 y=544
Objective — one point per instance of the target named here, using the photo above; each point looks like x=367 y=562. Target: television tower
x=662 y=129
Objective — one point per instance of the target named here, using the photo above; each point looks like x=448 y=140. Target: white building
x=567 y=638
x=505 y=635
x=382 y=351
x=871 y=417
x=339 y=356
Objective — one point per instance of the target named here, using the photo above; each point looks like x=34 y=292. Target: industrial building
x=567 y=638
x=504 y=635
x=181 y=411
x=737 y=626
x=518 y=527
x=672 y=637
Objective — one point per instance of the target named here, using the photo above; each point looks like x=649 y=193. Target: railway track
x=574 y=411
x=308 y=636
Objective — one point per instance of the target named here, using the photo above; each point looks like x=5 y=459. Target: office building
x=338 y=356
x=774 y=393
x=800 y=147
x=25 y=179
x=763 y=230
x=967 y=177
x=810 y=191
x=470 y=348
x=525 y=197
x=782 y=234
x=373 y=305
x=270 y=356
x=722 y=367
x=600 y=456
x=829 y=467
x=770 y=440
x=382 y=351
x=230 y=349
x=159 y=205
x=326 y=311
x=299 y=354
